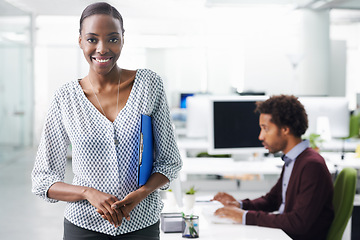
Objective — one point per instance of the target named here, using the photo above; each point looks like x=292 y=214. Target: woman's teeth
x=102 y=60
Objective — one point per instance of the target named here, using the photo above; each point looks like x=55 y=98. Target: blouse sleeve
x=50 y=161
x=167 y=156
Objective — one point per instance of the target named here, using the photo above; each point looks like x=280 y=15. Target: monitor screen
x=234 y=125
x=183 y=99
x=327 y=116
x=197 y=112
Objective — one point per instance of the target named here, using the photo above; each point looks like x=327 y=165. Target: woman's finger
x=125 y=212
x=119 y=215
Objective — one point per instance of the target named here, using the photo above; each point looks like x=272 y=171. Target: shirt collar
x=298 y=149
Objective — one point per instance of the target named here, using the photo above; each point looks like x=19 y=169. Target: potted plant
x=189 y=198
x=315 y=140
x=171 y=200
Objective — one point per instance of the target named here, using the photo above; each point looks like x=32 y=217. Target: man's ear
x=80 y=41
x=285 y=130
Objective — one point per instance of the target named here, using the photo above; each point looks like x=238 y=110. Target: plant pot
x=171 y=203
x=189 y=201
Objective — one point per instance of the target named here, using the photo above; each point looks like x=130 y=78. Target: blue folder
x=146 y=150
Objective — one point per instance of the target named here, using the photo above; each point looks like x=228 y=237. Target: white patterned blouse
x=97 y=161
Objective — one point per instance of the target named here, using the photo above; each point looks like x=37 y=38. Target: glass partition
x=16 y=79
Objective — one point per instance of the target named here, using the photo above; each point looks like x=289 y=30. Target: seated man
x=303 y=194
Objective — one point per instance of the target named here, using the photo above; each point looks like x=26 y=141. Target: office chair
x=343 y=200
x=354 y=125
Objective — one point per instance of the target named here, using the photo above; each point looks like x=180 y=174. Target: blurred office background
x=297 y=47
x=217 y=47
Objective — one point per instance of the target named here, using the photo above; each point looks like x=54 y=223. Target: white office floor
x=22 y=214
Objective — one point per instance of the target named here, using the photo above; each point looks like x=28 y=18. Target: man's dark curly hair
x=286 y=111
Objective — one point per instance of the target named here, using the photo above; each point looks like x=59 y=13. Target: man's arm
x=268 y=203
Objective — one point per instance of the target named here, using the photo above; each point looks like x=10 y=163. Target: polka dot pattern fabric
x=96 y=161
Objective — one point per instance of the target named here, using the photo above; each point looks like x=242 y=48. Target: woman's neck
x=102 y=81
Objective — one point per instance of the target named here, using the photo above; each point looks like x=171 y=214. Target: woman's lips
x=102 y=59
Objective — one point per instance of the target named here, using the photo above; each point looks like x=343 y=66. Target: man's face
x=271 y=136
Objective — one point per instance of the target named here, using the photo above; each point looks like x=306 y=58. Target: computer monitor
x=197 y=116
x=327 y=116
x=234 y=125
x=183 y=99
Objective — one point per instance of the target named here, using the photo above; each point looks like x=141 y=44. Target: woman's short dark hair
x=101 y=8
x=286 y=111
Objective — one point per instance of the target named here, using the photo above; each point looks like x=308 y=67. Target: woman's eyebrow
x=113 y=33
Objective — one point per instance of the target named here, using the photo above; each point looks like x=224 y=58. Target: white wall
x=220 y=50
x=350 y=33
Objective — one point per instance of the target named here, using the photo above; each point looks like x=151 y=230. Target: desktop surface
x=212 y=229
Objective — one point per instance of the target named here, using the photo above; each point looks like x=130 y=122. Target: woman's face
x=101 y=40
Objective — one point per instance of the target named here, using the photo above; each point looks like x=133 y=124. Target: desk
x=227 y=166
x=350 y=160
x=209 y=231
x=231 y=232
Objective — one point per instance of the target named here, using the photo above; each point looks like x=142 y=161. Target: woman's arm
x=100 y=200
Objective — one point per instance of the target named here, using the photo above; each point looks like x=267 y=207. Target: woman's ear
x=80 y=41
x=122 y=41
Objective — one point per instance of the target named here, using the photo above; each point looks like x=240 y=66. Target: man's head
x=283 y=120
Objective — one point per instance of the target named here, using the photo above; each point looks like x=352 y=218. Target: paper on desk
x=208 y=211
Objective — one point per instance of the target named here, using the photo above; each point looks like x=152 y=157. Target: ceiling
x=147 y=8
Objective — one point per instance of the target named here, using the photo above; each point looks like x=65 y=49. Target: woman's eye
x=114 y=40
x=91 y=40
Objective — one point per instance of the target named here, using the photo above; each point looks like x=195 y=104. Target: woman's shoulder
x=68 y=88
x=146 y=73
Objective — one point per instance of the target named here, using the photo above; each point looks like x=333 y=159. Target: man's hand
x=233 y=213
x=226 y=199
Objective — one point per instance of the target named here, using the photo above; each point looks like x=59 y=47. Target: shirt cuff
x=244 y=218
x=241 y=204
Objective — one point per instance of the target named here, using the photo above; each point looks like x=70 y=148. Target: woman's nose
x=102 y=48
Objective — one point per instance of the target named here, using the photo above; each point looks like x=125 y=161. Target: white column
x=314 y=69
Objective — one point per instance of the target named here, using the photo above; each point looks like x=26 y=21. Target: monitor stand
x=255 y=156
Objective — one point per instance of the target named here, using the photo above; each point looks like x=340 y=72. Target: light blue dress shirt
x=292 y=155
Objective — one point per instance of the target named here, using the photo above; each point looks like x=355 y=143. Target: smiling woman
x=100 y=116
x=101 y=40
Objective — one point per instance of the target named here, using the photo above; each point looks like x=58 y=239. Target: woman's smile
x=102 y=59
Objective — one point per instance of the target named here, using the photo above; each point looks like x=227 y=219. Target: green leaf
x=191 y=191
